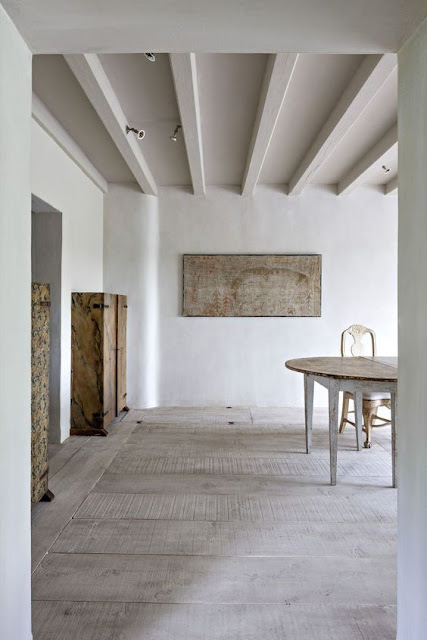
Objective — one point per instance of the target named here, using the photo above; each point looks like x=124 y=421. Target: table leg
x=308 y=408
x=358 y=401
x=394 y=438
x=333 y=427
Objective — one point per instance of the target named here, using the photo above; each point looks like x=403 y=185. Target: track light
x=386 y=169
x=150 y=56
x=140 y=133
x=173 y=137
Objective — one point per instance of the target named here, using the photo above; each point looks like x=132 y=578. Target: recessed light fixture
x=140 y=133
x=386 y=169
x=173 y=137
x=150 y=56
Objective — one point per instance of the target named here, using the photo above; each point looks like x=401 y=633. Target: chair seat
x=377 y=396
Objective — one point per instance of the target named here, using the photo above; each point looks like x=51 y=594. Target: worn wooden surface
x=121 y=352
x=252 y=285
x=130 y=621
x=356 y=375
x=346 y=368
x=40 y=350
x=93 y=330
x=166 y=546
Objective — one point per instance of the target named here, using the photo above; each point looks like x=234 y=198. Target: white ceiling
x=249 y=26
x=316 y=86
x=55 y=84
x=230 y=88
x=147 y=97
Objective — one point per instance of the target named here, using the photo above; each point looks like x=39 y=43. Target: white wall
x=237 y=361
x=412 y=432
x=46 y=256
x=131 y=253
x=15 y=332
x=57 y=180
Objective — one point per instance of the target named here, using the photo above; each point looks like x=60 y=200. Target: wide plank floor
x=213 y=524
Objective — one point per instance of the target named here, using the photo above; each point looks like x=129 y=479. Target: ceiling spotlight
x=140 y=133
x=173 y=137
x=386 y=169
x=150 y=56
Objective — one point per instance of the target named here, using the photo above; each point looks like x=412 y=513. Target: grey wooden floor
x=212 y=524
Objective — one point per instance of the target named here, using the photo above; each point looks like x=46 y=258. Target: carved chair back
x=357 y=332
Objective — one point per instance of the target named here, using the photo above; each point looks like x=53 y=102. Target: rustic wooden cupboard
x=98 y=361
x=40 y=353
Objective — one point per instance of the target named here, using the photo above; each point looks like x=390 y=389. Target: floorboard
x=161 y=537
x=128 y=621
x=210 y=579
x=376 y=506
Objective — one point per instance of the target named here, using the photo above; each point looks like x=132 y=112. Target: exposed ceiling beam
x=278 y=75
x=357 y=174
x=391 y=187
x=95 y=83
x=368 y=79
x=50 y=124
x=184 y=72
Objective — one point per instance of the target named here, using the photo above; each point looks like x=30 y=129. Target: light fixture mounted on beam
x=150 y=56
x=140 y=133
x=173 y=137
x=386 y=169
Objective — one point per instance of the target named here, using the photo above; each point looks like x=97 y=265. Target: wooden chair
x=371 y=401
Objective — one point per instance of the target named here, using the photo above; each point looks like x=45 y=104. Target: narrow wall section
x=131 y=253
x=15 y=332
x=57 y=180
x=412 y=433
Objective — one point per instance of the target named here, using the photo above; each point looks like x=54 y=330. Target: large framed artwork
x=252 y=285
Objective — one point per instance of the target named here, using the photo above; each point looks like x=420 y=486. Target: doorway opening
x=46 y=267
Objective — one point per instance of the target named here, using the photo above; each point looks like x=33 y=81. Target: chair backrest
x=357 y=332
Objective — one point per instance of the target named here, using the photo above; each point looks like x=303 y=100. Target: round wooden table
x=357 y=375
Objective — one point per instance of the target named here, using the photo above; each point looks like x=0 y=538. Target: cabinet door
x=110 y=358
x=121 y=352
x=40 y=317
x=87 y=363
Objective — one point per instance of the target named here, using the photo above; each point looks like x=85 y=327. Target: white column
x=131 y=257
x=412 y=412
x=15 y=332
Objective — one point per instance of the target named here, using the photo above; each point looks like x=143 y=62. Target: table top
x=377 y=368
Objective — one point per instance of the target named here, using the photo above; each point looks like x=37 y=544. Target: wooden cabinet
x=98 y=367
x=40 y=351
x=121 y=352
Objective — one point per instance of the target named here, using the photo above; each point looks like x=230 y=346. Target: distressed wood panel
x=40 y=350
x=94 y=370
x=192 y=579
x=121 y=352
x=128 y=621
x=252 y=285
x=110 y=359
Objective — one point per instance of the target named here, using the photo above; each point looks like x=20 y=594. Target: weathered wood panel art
x=252 y=285
x=40 y=319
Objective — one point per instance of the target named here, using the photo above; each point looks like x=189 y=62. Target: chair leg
x=344 y=413
x=368 y=418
